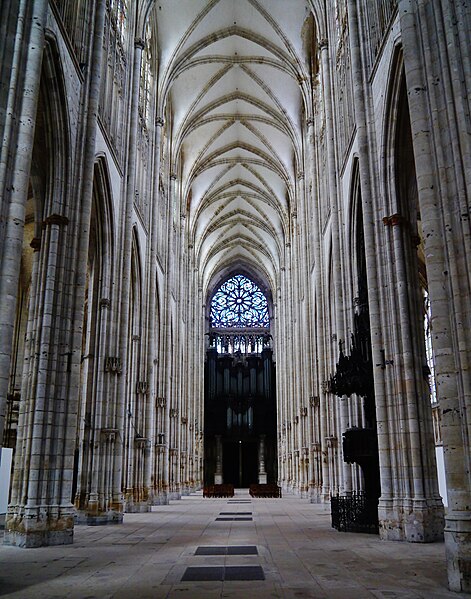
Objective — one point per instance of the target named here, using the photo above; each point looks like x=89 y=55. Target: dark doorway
x=240 y=465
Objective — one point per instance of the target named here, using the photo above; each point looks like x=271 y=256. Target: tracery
x=239 y=302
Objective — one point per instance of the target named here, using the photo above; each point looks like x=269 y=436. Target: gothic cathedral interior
x=235 y=248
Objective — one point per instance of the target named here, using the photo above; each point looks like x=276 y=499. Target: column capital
x=105 y=303
x=393 y=220
x=56 y=219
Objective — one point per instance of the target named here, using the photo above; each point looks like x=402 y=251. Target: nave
x=235 y=249
x=287 y=541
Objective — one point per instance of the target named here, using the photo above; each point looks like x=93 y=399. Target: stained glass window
x=145 y=82
x=239 y=303
x=428 y=346
x=119 y=10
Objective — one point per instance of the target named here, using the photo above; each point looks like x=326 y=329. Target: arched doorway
x=240 y=409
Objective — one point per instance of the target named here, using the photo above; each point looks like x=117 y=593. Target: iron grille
x=355 y=513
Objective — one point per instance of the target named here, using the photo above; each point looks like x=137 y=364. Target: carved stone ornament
x=142 y=387
x=161 y=402
x=109 y=434
x=113 y=365
x=105 y=303
x=331 y=442
x=326 y=386
x=393 y=221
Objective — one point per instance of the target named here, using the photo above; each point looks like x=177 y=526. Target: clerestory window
x=119 y=11
x=428 y=347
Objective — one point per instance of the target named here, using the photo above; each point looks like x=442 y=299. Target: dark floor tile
x=229 y=519
x=230 y=550
x=203 y=573
x=211 y=551
x=242 y=550
x=244 y=573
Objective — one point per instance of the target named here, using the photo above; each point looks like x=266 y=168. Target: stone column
x=153 y=338
x=218 y=475
x=335 y=208
x=319 y=333
x=426 y=524
x=433 y=42
x=333 y=193
x=291 y=355
x=117 y=415
x=41 y=512
x=344 y=425
x=388 y=513
x=262 y=475
x=15 y=158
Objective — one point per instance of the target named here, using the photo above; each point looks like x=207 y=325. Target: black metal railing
x=355 y=512
x=239 y=341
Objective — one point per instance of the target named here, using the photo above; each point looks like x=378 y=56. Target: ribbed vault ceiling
x=236 y=76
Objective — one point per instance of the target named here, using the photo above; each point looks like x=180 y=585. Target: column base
x=40 y=526
x=138 y=507
x=100 y=518
x=458 y=551
x=391 y=526
x=160 y=498
x=425 y=523
x=315 y=494
x=414 y=521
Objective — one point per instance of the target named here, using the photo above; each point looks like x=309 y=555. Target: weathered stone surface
x=323 y=151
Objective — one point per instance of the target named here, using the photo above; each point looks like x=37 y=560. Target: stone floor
x=290 y=540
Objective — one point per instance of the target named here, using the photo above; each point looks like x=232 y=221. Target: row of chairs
x=226 y=490
x=266 y=490
x=255 y=490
